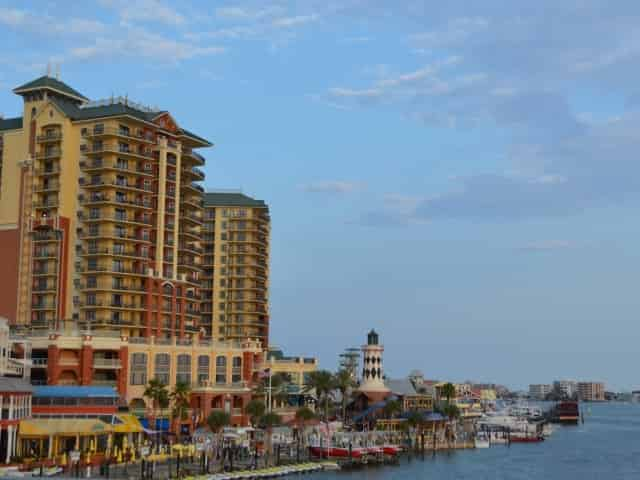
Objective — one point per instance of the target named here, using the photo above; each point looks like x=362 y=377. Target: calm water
x=607 y=446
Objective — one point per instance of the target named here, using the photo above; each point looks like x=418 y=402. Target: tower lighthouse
x=372 y=370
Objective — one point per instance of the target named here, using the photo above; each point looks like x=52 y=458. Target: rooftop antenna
x=48 y=69
x=126 y=99
x=58 y=71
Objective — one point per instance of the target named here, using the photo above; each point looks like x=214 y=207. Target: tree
x=255 y=409
x=391 y=408
x=216 y=421
x=451 y=410
x=268 y=421
x=344 y=383
x=303 y=415
x=180 y=396
x=157 y=393
x=322 y=382
x=415 y=420
x=449 y=391
x=279 y=387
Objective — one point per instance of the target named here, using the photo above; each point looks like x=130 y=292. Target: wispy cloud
x=156 y=11
x=26 y=20
x=248 y=13
x=332 y=186
x=287 y=22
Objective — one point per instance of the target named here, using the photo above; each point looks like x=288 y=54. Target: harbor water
x=606 y=446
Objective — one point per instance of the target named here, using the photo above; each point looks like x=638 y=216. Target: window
x=203 y=368
x=236 y=372
x=183 y=373
x=162 y=367
x=138 y=369
x=221 y=370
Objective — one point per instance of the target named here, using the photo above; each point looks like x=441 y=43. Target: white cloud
x=286 y=22
x=332 y=186
x=140 y=43
x=247 y=13
x=131 y=11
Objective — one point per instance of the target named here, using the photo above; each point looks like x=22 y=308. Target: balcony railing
x=49 y=137
x=140 y=136
x=49 y=153
x=107 y=363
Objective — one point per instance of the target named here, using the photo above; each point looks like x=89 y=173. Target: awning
x=38 y=427
x=130 y=424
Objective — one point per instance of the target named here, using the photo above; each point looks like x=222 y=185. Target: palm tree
x=415 y=420
x=322 y=382
x=303 y=415
x=156 y=391
x=449 y=391
x=391 y=408
x=216 y=421
x=344 y=383
x=279 y=387
x=268 y=421
x=255 y=409
x=180 y=396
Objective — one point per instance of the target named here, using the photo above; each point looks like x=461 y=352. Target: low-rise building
x=539 y=391
x=591 y=391
x=566 y=388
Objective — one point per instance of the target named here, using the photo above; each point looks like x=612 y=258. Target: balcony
x=49 y=153
x=102 y=148
x=191 y=217
x=47 y=171
x=47 y=204
x=195 y=172
x=103 y=165
x=90 y=183
x=49 y=137
x=139 y=220
x=104 y=383
x=122 y=133
x=190 y=154
x=193 y=186
x=192 y=202
x=110 y=363
x=47 y=187
x=114 y=252
x=103 y=198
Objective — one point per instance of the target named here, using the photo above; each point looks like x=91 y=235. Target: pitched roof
x=52 y=84
x=402 y=386
x=74 y=112
x=74 y=391
x=231 y=199
x=187 y=133
x=10 y=123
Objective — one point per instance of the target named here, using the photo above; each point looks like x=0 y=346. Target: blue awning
x=74 y=391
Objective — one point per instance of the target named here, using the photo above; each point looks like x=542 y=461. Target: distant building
x=635 y=396
x=409 y=397
x=566 y=388
x=372 y=385
x=539 y=391
x=591 y=391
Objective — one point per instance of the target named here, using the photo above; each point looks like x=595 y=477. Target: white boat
x=481 y=440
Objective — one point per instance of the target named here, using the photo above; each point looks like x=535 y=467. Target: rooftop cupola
x=48 y=86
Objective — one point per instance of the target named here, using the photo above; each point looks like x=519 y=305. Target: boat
x=482 y=440
x=338 y=452
x=391 y=449
x=566 y=412
x=525 y=438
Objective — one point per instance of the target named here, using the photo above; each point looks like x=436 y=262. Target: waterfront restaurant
x=81 y=418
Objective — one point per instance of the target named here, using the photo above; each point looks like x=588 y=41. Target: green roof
x=187 y=133
x=116 y=109
x=10 y=123
x=47 y=82
x=231 y=199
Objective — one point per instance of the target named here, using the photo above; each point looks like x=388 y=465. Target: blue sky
x=462 y=176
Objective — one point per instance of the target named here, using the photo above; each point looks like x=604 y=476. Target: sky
x=462 y=176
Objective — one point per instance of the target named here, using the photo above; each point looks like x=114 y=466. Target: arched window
x=236 y=371
x=221 y=369
x=162 y=367
x=183 y=373
x=138 y=369
x=203 y=368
